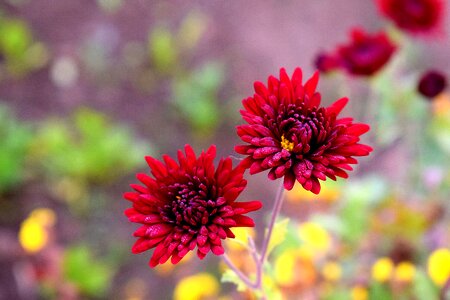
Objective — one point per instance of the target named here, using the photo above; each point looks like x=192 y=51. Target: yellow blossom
x=33 y=233
x=382 y=269
x=284 y=267
x=439 y=266
x=332 y=271
x=329 y=191
x=359 y=293
x=195 y=287
x=405 y=272
x=241 y=238
x=315 y=237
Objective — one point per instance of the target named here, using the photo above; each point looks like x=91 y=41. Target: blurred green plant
x=90 y=148
x=91 y=275
x=83 y=151
x=195 y=97
x=20 y=52
x=15 y=139
x=168 y=50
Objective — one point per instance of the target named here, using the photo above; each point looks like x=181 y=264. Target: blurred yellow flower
x=439 y=266
x=382 y=269
x=33 y=233
x=284 y=267
x=405 y=271
x=45 y=216
x=314 y=237
x=329 y=191
x=294 y=266
x=332 y=271
x=196 y=287
x=359 y=292
x=241 y=240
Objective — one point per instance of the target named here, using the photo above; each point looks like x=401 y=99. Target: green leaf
x=15 y=140
x=90 y=275
x=380 y=291
x=230 y=276
x=424 y=288
x=163 y=50
x=195 y=96
x=278 y=234
x=15 y=37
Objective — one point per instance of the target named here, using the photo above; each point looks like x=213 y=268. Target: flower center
x=191 y=205
x=286 y=144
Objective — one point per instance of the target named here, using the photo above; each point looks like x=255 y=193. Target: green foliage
x=354 y=212
x=91 y=276
x=380 y=291
x=21 y=53
x=191 y=30
x=168 y=49
x=195 y=96
x=279 y=233
x=423 y=287
x=15 y=139
x=231 y=276
x=163 y=49
x=91 y=149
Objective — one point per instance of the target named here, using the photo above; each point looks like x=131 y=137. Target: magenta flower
x=366 y=53
x=414 y=16
x=431 y=84
x=187 y=205
x=292 y=136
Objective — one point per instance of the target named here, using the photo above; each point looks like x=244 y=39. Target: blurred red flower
x=364 y=55
x=431 y=84
x=290 y=134
x=414 y=15
x=187 y=205
x=325 y=62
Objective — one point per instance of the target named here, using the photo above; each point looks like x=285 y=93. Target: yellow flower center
x=285 y=144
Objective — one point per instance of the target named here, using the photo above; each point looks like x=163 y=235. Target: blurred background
x=89 y=87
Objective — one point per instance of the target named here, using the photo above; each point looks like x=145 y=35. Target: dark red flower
x=289 y=134
x=187 y=205
x=365 y=54
x=325 y=62
x=414 y=15
x=431 y=84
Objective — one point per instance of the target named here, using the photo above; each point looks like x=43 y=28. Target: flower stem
x=241 y=275
x=275 y=212
x=259 y=259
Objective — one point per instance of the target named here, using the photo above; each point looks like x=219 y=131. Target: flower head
x=325 y=62
x=431 y=84
x=186 y=205
x=414 y=15
x=366 y=53
x=290 y=134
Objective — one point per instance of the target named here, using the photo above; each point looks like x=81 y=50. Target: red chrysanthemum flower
x=289 y=134
x=431 y=84
x=187 y=205
x=414 y=15
x=365 y=54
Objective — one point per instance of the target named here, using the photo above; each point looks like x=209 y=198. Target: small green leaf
x=91 y=276
x=230 y=276
x=424 y=288
x=380 y=291
x=163 y=50
x=278 y=235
